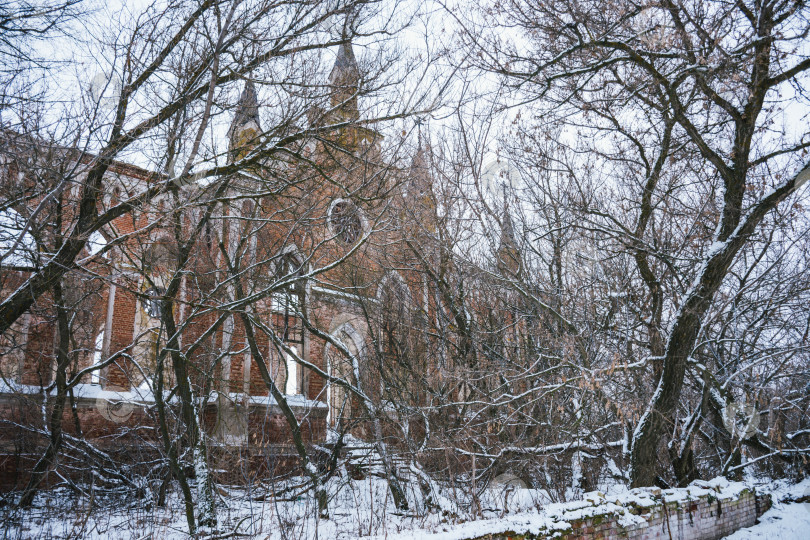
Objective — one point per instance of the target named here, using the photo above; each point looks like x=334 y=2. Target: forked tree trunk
x=660 y=415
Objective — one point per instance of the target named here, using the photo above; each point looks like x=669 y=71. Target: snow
x=10 y=387
x=802 y=177
x=785 y=521
x=364 y=509
x=96 y=242
x=294 y=400
x=143 y=395
x=94 y=391
x=89 y=391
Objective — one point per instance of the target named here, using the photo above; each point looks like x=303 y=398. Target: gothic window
x=345 y=221
x=291 y=384
x=287 y=300
x=394 y=302
x=159 y=256
x=148 y=327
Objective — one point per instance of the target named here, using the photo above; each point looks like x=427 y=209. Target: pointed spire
x=419 y=199
x=507 y=229
x=245 y=125
x=419 y=163
x=419 y=174
x=345 y=72
x=508 y=252
x=248 y=108
x=345 y=81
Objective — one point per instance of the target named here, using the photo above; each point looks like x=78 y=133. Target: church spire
x=419 y=203
x=419 y=164
x=248 y=108
x=345 y=71
x=245 y=126
x=345 y=81
x=508 y=253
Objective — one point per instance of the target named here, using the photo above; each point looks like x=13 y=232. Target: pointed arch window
x=394 y=303
x=152 y=301
x=287 y=300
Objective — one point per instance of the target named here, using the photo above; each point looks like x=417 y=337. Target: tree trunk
x=55 y=420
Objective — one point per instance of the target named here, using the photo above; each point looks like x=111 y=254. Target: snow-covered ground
x=783 y=522
x=363 y=509
x=787 y=520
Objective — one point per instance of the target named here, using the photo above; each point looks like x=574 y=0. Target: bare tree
x=675 y=101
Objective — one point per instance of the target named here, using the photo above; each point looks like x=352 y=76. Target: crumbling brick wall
x=707 y=516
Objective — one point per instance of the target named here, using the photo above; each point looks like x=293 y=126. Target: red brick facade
x=119 y=323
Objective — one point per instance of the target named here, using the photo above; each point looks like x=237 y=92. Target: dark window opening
x=286 y=302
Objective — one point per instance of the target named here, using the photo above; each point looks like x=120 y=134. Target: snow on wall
x=702 y=511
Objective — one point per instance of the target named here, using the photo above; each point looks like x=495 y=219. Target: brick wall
x=704 y=513
x=268 y=449
x=123 y=326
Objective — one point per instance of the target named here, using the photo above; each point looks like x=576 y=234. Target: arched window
x=159 y=256
x=287 y=299
x=291 y=384
x=286 y=307
x=152 y=301
x=341 y=366
x=149 y=336
x=394 y=301
x=17 y=245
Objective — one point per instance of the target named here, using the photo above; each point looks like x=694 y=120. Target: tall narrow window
x=286 y=306
x=291 y=386
x=286 y=302
x=340 y=366
x=95 y=376
x=394 y=303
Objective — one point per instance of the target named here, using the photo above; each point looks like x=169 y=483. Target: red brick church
x=298 y=251
x=293 y=273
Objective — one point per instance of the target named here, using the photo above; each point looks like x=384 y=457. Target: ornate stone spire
x=508 y=253
x=248 y=108
x=418 y=171
x=419 y=204
x=245 y=126
x=345 y=81
x=345 y=71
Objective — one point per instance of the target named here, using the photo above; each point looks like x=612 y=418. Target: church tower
x=245 y=128
x=509 y=262
x=345 y=82
x=420 y=201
